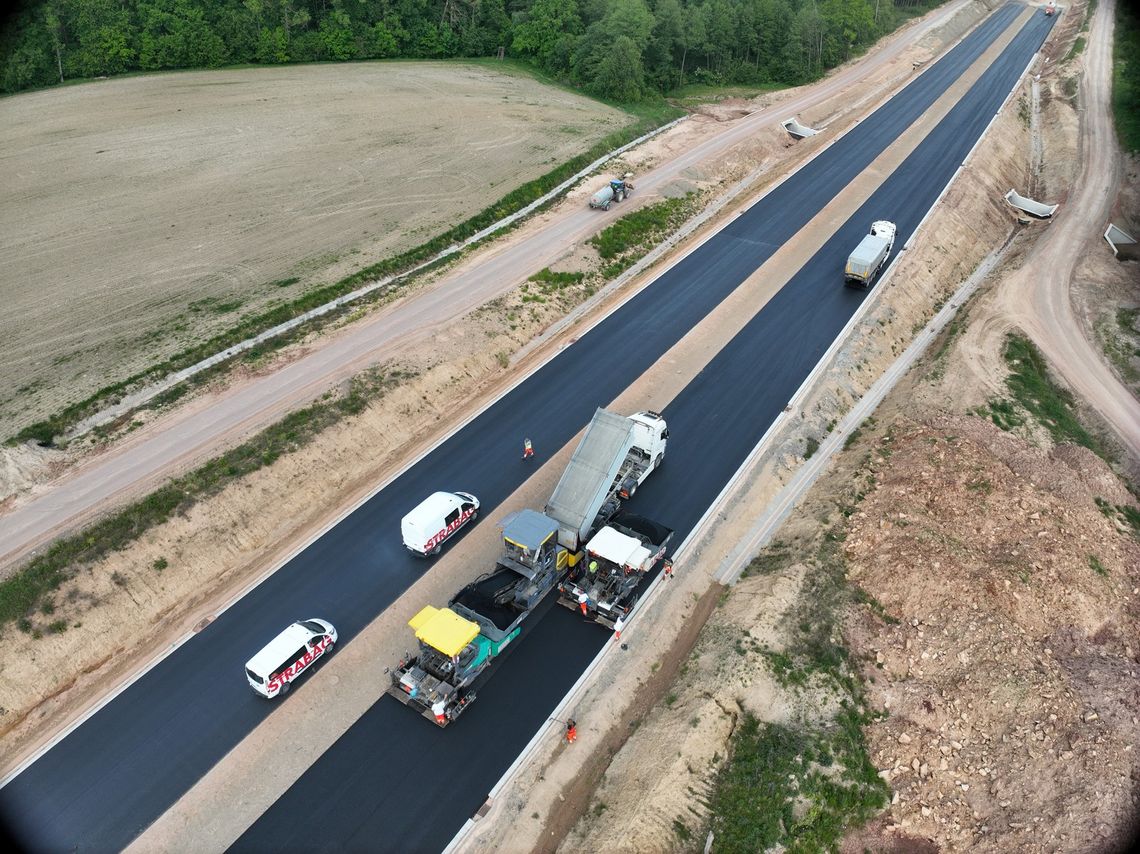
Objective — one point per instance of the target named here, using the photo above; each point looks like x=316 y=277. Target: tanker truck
x=870 y=255
x=618 y=189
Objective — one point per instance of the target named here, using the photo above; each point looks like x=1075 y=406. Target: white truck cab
x=288 y=655
x=436 y=519
x=650 y=434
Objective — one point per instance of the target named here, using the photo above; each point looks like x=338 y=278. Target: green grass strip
x=1052 y=406
x=30 y=587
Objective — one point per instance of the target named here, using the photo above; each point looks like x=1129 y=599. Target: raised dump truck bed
x=616 y=454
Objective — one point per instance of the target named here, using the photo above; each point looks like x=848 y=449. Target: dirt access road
x=198 y=429
x=1038 y=297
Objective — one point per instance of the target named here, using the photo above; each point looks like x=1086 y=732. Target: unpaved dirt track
x=199 y=428
x=1037 y=298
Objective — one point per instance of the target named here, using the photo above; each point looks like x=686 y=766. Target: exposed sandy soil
x=144 y=213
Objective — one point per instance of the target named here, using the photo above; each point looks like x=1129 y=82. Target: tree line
x=623 y=50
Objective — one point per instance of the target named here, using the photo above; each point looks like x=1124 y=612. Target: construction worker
x=593 y=567
x=438 y=708
x=668 y=569
x=583 y=602
x=571 y=731
x=618 y=626
x=528 y=449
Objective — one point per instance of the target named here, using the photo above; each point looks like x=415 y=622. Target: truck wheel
x=657 y=462
x=436 y=550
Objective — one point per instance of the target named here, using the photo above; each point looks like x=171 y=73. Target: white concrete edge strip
x=138 y=398
x=827 y=448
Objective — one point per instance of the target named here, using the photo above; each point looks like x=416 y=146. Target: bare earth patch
x=144 y=213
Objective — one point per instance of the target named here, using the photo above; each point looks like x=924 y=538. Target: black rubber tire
x=437 y=550
x=658 y=461
x=284 y=689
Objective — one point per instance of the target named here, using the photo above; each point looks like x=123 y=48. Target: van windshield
x=315 y=628
x=254 y=677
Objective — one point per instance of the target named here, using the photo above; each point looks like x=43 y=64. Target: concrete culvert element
x=797 y=130
x=1122 y=243
x=1037 y=209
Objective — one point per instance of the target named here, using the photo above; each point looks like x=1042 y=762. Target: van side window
x=297 y=656
x=451 y=517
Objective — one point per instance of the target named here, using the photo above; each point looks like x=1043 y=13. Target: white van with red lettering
x=436 y=519
x=288 y=655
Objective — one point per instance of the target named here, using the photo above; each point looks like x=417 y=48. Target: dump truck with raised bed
x=870 y=255
x=605 y=584
x=617 y=190
x=617 y=453
x=459 y=642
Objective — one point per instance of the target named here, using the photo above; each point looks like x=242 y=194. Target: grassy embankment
x=799 y=785
x=646 y=116
x=27 y=596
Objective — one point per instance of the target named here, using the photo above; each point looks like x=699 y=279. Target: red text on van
x=311 y=655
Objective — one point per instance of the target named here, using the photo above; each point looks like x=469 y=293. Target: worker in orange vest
x=438 y=709
x=528 y=449
x=571 y=731
x=583 y=601
x=619 y=624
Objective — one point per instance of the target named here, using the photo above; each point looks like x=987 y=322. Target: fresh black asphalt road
x=109 y=779
x=382 y=786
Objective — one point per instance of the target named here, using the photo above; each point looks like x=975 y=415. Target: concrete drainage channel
x=781 y=506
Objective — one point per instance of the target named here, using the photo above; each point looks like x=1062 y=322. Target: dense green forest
x=618 y=49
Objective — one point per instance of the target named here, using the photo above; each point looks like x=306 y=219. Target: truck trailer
x=459 y=642
x=604 y=584
x=870 y=255
x=617 y=453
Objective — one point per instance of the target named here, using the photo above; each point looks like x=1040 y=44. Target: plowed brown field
x=143 y=213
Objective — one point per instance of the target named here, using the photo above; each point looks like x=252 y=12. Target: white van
x=436 y=519
x=288 y=655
